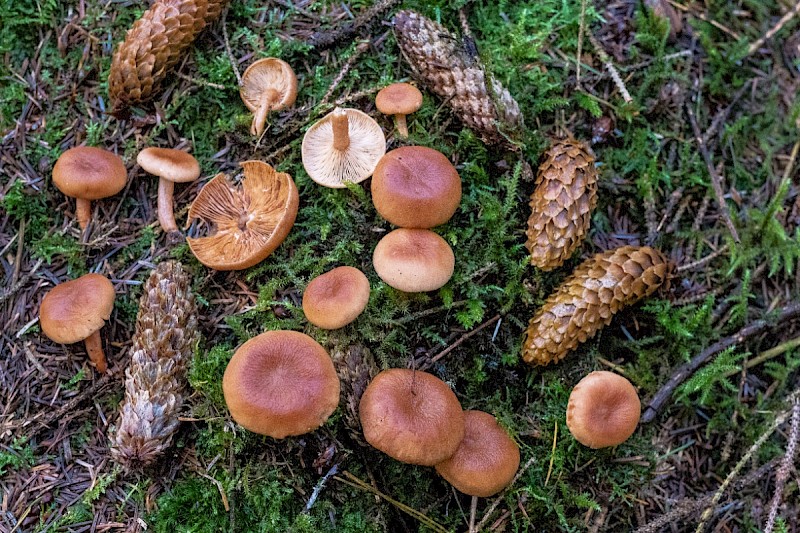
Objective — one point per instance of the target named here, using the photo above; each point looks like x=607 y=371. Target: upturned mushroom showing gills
x=76 y=310
x=342 y=148
x=244 y=225
x=269 y=84
x=603 y=410
x=171 y=166
x=399 y=99
x=87 y=173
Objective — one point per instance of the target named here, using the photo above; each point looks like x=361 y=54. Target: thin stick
x=581 y=30
x=464 y=337
x=320 y=485
x=612 y=71
x=200 y=82
x=496 y=502
x=704 y=18
x=231 y=57
x=360 y=49
x=768 y=354
x=785 y=468
x=473 y=508
x=704 y=261
x=775 y=29
x=552 y=455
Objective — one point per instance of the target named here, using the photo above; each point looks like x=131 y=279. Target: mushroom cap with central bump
x=75 y=309
x=413 y=260
x=89 y=173
x=336 y=298
x=268 y=74
x=411 y=416
x=398 y=99
x=281 y=383
x=416 y=187
x=603 y=410
x=170 y=164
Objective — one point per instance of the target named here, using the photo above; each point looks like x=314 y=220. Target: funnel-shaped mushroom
x=399 y=99
x=269 y=84
x=603 y=410
x=87 y=173
x=343 y=147
x=76 y=310
x=247 y=224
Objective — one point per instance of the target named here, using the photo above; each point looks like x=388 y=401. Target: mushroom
x=343 y=147
x=603 y=410
x=485 y=461
x=76 y=310
x=269 y=84
x=399 y=99
x=246 y=225
x=336 y=298
x=411 y=416
x=281 y=383
x=171 y=166
x=416 y=187
x=413 y=260
x=87 y=173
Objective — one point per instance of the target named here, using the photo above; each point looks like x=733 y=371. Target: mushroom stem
x=341 y=130
x=94 y=347
x=402 y=127
x=165 y=215
x=268 y=99
x=83 y=210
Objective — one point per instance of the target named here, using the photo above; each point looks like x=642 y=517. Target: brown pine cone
x=355 y=367
x=165 y=337
x=154 y=45
x=588 y=299
x=561 y=204
x=441 y=62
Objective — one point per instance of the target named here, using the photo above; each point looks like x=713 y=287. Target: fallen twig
x=775 y=29
x=327 y=38
x=784 y=470
x=488 y=514
x=612 y=71
x=231 y=57
x=464 y=337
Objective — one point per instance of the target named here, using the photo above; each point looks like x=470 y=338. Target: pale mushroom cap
x=603 y=410
x=411 y=416
x=336 y=298
x=266 y=74
x=485 y=461
x=169 y=163
x=398 y=99
x=281 y=383
x=335 y=168
x=414 y=260
x=89 y=173
x=75 y=309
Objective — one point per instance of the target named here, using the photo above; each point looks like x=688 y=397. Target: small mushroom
x=269 y=84
x=336 y=298
x=413 y=260
x=87 y=173
x=281 y=383
x=76 y=310
x=343 y=147
x=411 y=416
x=603 y=410
x=171 y=166
x=399 y=99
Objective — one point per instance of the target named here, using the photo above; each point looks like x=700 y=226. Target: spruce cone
x=154 y=45
x=439 y=59
x=561 y=203
x=166 y=332
x=355 y=367
x=587 y=300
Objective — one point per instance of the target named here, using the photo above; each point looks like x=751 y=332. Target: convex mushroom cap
x=485 y=461
x=343 y=147
x=411 y=416
x=416 y=187
x=413 y=260
x=603 y=410
x=269 y=84
x=88 y=173
x=336 y=298
x=281 y=383
x=399 y=99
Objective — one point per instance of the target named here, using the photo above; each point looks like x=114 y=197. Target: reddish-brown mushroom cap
x=416 y=187
x=413 y=260
x=411 y=416
x=603 y=410
x=269 y=84
x=336 y=298
x=485 y=461
x=399 y=99
x=281 y=383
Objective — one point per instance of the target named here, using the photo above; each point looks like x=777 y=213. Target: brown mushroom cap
x=89 y=173
x=416 y=187
x=281 y=383
x=485 y=461
x=398 y=99
x=170 y=164
x=246 y=224
x=75 y=309
x=268 y=74
x=413 y=260
x=603 y=410
x=336 y=298
x=412 y=416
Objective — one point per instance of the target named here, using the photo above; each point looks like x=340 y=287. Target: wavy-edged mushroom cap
x=603 y=410
x=89 y=173
x=413 y=260
x=170 y=164
x=399 y=99
x=343 y=147
x=247 y=224
x=75 y=309
x=281 y=383
x=485 y=461
x=336 y=298
x=416 y=187
x=269 y=84
x=411 y=416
